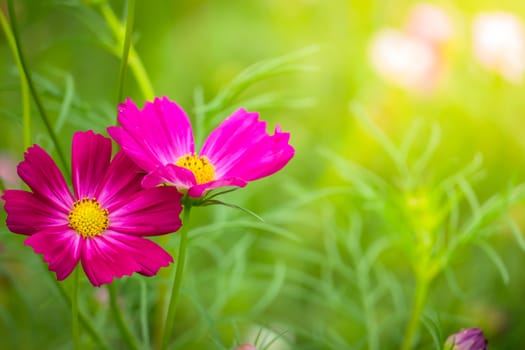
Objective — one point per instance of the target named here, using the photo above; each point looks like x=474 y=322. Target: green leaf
x=496 y=259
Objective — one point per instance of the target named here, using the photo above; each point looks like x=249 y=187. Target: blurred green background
x=243 y=275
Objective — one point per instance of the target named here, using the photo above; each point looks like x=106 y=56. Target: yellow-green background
x=189 y=44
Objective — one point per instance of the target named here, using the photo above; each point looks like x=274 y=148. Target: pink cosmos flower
x=159 y=139
x=102 y=223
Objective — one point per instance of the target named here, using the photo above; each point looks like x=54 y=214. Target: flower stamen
x=88 y=218
x=200 y=166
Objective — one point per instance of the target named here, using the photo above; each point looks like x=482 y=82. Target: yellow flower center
x=201 y=167
x=88 y=218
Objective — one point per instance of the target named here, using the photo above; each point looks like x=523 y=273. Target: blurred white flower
x=499 y=44
x=414 y=58
x=404 y=60
x=430 y=23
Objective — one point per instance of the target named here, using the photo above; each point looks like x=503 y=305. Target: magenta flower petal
x=158 y=134
x=41 y=174
x=170 y=174
x=199 y=190
x=117 y=255
x=147 y=254
x=27 y=213
x=240 y=147
x=153 y=211
x=60 y=248
x=121 y=180
x=91 y=155
x=133 y=149
x=103 y=260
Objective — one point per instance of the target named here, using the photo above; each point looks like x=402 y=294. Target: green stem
x=420 y=297
x=144 y=312
x=177 y=281
x=125 y=50
x=368 y=307
x=124 y=330
x=32 y=88
x=24 y=88
x=86 y=323
x=74 y=311
x=134 y=61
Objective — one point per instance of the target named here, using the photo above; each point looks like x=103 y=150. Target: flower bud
x=467 y=339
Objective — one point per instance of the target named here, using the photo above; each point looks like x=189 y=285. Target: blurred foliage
x=376 y=167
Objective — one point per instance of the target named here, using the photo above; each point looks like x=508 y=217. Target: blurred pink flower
x=413 y=58
x=102 y=296
x=245 y=347
x=430 y=23
x=404 y=60
x=8 y=171
x=102 y=224
x=499 y=44
x=159 y=138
